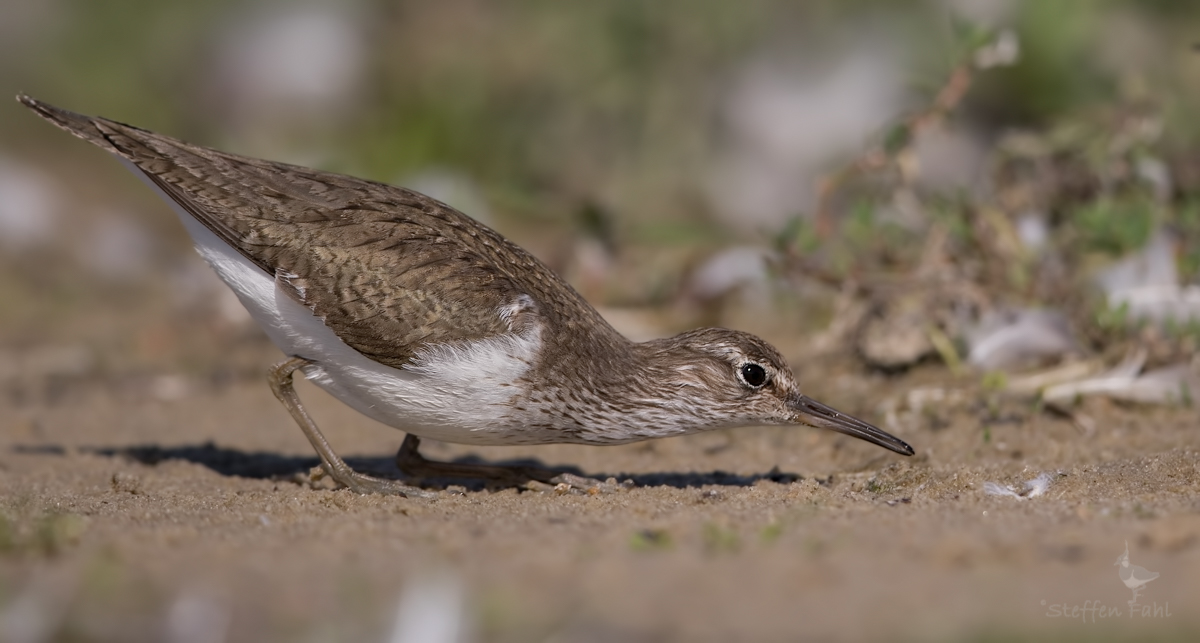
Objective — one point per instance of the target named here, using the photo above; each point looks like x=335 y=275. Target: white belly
x=455 y=393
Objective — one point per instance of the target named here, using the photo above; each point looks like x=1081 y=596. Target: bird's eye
x=753 y=375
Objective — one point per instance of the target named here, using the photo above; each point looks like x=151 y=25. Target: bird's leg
x=280 y=377
x=410 y=461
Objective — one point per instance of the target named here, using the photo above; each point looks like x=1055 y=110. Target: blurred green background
x=623 y=142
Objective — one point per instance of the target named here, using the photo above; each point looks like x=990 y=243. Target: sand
x=179 y=506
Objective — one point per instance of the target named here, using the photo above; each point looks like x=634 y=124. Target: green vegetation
x=651 y=540
x=45 y=534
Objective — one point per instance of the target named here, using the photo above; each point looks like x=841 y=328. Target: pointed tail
x=88 y=128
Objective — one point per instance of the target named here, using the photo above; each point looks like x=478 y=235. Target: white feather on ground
x=1031 y=489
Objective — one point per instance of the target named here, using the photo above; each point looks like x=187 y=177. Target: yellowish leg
x=280 y=377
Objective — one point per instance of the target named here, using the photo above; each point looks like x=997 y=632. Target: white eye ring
x=753 y=375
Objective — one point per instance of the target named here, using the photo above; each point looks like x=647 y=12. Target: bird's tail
x=90 y=129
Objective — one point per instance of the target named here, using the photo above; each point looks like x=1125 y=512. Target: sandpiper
x=426 y=320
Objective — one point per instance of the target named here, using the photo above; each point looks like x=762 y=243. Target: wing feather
x=383 y=266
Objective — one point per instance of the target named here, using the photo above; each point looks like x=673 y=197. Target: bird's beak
x=812 y=412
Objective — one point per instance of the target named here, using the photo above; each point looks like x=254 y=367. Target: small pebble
x=124 y=482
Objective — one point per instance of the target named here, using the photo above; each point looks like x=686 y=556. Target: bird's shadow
x=264 y=465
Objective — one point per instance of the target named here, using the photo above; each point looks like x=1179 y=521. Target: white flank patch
x=450 y=392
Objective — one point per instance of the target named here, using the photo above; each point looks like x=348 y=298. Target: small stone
x=123 y=482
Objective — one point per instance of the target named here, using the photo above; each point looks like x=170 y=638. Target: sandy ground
x=166 y=507
x=150 y=490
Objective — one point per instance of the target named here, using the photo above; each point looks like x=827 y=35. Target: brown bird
x=426 y=320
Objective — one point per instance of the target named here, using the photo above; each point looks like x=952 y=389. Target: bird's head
x=733 y=378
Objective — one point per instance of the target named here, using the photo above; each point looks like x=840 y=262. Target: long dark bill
x=826 y=417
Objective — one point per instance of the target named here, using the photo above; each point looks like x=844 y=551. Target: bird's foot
x=364 y=484
x=280 y=379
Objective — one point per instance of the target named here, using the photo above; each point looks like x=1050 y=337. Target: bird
x=426 y=320
x=1134 y=577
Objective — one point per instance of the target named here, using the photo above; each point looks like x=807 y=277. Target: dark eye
x=754 y=375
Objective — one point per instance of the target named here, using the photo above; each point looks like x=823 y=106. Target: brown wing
x=383 y=266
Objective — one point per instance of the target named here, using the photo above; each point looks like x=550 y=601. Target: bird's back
x=389 y=270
